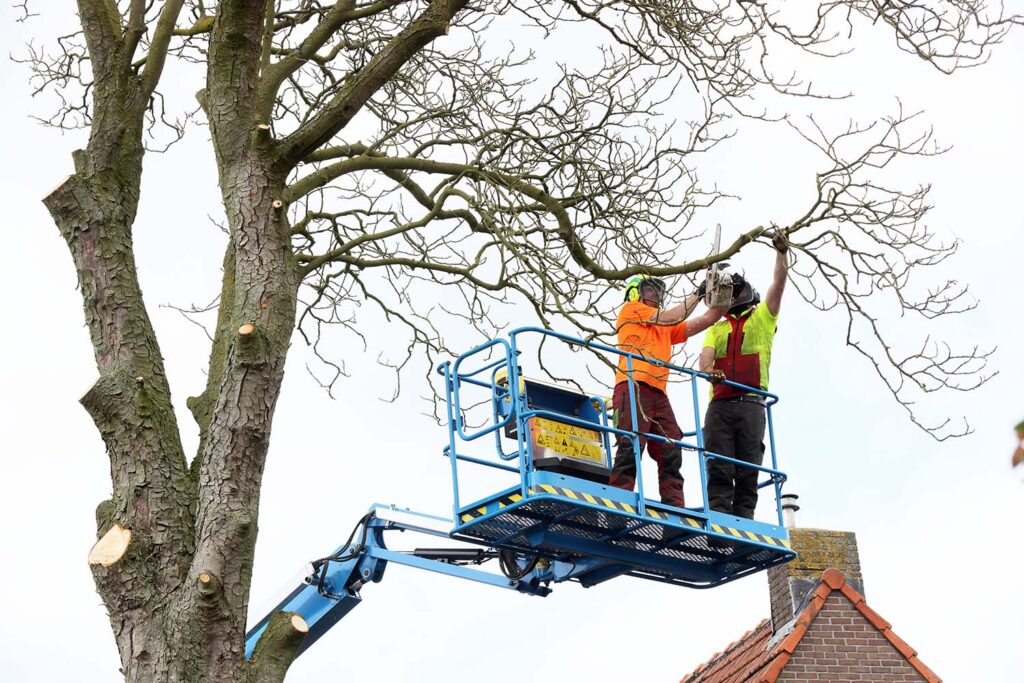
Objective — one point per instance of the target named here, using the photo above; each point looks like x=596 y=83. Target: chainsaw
x=718 y=283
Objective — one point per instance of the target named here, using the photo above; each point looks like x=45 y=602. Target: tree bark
x=130 y=402
x=141 y=564
x=255 y=324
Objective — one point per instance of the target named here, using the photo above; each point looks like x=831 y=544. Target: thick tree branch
x=276 y=648
x=157 y=54
x=361 y=86
x=130 y=402
x=342 y=12
x=255 y=325
x=565 y=228
x=101 y=23
x=203 y=24
x=134 y=28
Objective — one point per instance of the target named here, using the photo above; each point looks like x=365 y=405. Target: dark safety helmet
x=655 y=288
x=744 y=295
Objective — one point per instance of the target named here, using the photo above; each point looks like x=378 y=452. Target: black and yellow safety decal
x=760 y=538
x=579 y=495
x=610 y=504
x=470 y=515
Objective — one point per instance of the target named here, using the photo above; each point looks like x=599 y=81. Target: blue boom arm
x=332 y=588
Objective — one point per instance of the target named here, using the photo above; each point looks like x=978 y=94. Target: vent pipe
x=789 y=508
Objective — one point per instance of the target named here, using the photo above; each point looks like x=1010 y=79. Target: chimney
x=817 y=550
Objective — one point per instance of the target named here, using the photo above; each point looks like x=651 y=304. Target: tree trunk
x=255 y=325
x=130 y=403
x=173 y=559
x=261 y=311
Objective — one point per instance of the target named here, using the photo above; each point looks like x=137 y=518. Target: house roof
x=756 y=659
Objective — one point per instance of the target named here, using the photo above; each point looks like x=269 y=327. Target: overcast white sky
x=939 y=524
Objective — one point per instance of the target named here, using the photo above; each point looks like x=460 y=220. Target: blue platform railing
x=462 y=371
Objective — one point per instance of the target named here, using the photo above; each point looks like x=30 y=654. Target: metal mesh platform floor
x=677 y=550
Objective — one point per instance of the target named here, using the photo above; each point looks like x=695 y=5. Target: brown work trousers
x=654 y=416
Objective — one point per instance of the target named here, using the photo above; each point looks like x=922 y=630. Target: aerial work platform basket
x=559 y=509
x=554 y=518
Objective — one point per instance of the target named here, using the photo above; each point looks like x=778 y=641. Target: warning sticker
x=569 y=440
x=566 y=429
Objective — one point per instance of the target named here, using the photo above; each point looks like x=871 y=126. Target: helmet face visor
x=652 y=292
x=743 y=296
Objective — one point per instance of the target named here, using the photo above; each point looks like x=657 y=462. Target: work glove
x=702 y=288
x=780 y=242
x=715 y=376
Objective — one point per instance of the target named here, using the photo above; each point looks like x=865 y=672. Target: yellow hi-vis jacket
x=743 y=349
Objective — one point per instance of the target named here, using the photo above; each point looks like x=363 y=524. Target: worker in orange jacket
x=648 y=330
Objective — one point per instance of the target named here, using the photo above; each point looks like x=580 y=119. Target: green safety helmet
x=638 y=282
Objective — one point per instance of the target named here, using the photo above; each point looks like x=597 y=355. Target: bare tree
x=377 y=151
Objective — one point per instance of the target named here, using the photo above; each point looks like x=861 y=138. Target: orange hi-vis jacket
x=640 y=336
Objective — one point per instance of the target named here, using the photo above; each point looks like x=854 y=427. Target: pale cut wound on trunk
x=57 y=187
x=299 y=624
x=112 y=547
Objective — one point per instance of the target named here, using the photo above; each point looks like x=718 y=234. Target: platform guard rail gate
x=599 y=531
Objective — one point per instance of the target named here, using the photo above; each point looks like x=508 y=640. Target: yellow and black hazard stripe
x=610 y=504
x=579 y=495
x=760 y=538
x=475 y=513
x=470 y=515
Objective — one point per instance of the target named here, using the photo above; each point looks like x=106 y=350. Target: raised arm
x=699 y=323
x=677 y=314
x=773 y=300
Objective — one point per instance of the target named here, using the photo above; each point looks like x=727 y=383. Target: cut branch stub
x=299 y=624
x=111 y=547
x=261 y=135
x=276 y=648
x=252 y=348
x=57 y=187
x=208 y=584
x=211 y=594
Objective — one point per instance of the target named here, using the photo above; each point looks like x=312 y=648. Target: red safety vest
x=744 y=368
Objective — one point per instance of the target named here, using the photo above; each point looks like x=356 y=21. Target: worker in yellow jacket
x=739 y=348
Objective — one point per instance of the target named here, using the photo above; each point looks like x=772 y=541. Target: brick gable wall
x=842 y=646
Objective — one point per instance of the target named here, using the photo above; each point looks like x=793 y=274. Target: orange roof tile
x=741 y=661
x=750 y=658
